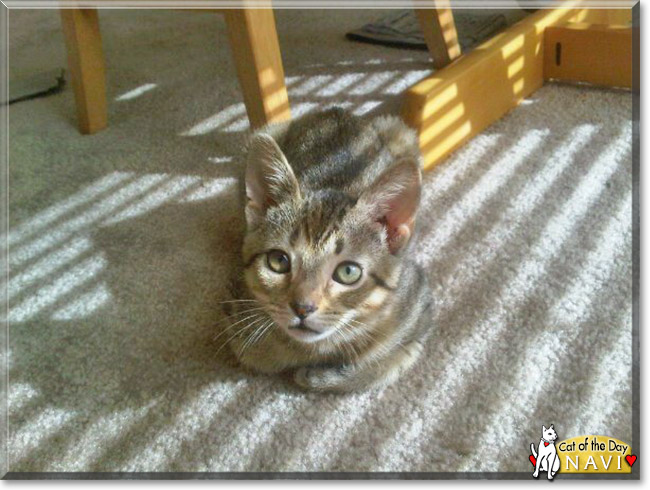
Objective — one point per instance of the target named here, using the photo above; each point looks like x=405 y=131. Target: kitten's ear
x=269 y=177
x=551 y=427
x=393 y=201
x=543 y=428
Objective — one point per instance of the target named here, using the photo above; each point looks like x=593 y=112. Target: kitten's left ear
x=393 y=201
x=269 y=177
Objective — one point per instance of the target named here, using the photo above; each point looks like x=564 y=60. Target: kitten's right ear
x=269 y=177
x=392 y=201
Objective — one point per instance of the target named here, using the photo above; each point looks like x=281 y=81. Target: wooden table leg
x=86 y=66
x=439 y=32
x=254 y=42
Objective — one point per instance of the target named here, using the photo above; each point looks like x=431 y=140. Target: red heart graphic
x=546 y=444
x=630 y=458
x=532 y=459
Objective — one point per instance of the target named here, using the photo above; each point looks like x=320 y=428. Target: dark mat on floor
x=400 y=28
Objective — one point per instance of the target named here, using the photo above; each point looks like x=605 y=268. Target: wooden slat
x=456 y=103
x=597 y=54
x=611 y=16
x=86 y=65
x=254 y=42
x=439 y=31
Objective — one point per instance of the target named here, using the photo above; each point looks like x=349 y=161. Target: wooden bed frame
x=570 y=44
x=465 y=95
x=253 y=41
x=256 y=53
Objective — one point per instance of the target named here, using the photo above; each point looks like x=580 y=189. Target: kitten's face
x=549 y=434
x=320 y=262
x=318 y=269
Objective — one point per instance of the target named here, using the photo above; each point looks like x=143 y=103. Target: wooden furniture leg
x=256 y=51
x=86 y=66
x=439 y=31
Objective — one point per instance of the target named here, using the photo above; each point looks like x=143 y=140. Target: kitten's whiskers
x=256 y=336
x=239 y=331
x=254 y=315
x=239 y=313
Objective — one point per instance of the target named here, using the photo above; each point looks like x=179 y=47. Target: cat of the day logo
x=581 y=454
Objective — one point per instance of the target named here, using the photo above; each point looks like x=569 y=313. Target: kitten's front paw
x=315 y=378
x=306 y=377
x=535 y=474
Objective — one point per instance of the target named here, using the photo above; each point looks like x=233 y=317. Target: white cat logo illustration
x=545 y=458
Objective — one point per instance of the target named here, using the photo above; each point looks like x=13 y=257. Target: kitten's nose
x=303 y=310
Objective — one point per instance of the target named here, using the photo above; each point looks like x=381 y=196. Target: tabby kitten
x=330 y=293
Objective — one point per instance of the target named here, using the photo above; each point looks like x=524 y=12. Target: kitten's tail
x=532 y=448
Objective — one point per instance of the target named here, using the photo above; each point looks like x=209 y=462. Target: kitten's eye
x=278 y=261
x=347 y=273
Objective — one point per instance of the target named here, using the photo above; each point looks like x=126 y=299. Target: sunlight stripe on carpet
x=19 y=395
x=257 y=429
x=50 y=294
x=187 y=424
x=479 y=254
x=105 y=207
x=473 y=350
x=488 y=185
x=612 y=377
x=27 y=438
x=541 y=357
x=48 y=264
x=84 y=305
x=52 y=213
x=85 y=447
x=165 y=193
x=437 y=182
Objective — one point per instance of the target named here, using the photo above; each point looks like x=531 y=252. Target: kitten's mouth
x=303 y=332
x=302 y=326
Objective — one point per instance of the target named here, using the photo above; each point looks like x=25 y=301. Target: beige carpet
x=120 y=244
